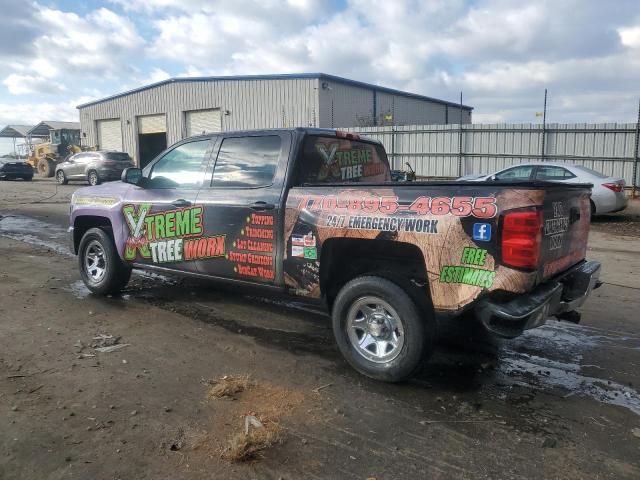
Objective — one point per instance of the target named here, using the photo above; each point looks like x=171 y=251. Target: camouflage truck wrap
x=313 y=213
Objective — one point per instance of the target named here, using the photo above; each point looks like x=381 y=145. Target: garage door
x=152 y=124
x=110 y=134
x=203 y=121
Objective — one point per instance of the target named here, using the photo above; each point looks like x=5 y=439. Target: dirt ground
x=561 y=401
x=625 y=223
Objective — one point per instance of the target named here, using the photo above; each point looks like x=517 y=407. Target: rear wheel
x=101 y=269
x=61 y=178
x=380 y=330
x=592 y=210
x=93 y=178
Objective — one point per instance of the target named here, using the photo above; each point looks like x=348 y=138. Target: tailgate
x=566 y=216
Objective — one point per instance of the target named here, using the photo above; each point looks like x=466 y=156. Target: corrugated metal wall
x=251 y=104
x=343 y=105
x=434 y=150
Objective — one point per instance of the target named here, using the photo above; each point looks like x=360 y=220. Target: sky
x=57 y=54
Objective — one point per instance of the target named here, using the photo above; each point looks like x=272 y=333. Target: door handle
x=261 y=206
x=181 y=202
x=574 y=215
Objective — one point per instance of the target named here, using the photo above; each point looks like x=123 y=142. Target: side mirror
x=493 y=178
x=131 y=175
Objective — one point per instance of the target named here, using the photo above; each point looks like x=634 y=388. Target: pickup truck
x=313 y=213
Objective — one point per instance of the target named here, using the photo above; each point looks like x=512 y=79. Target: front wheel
x=46 y=167
x=101 y=269
x=380 y=330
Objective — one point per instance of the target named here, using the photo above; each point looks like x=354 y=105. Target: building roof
x=284 y=76
x=16 y=131
x=42 y=129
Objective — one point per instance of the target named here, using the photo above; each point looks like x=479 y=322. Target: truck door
x=161 y=216
x=242 y=208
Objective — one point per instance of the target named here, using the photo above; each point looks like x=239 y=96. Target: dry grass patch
x=241 y=447
x=269 y=404
x=228 y=386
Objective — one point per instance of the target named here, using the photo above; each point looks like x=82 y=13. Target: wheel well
x=344 y=259
x=83 y=224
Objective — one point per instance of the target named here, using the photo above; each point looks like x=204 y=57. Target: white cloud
x=30 y=84
x=500 y=53
x=630 y=37
x=156 y=75
x=100 y=44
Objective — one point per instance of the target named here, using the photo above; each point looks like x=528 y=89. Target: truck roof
x=300 y=130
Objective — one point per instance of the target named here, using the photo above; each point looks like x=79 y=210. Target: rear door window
x=522 y=172
x=247 y=162
x=553 y=173
x=336 y=160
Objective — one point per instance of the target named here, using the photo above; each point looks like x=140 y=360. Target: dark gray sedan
x=93 y=167
x=13 y=169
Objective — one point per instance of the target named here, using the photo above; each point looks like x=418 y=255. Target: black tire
x=417 y=325
x=592 y=210
x=116 y=273
x=93 y=178
x=61 y=178
x=46 y=167
x=28 y=179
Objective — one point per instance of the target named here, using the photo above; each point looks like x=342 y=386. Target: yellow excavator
x=62 y=143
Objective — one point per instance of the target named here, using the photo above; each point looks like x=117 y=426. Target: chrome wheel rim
x=60 y=176
x=95 y=264
x=375 y=330
x=93 y=178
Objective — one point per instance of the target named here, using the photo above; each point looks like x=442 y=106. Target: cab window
x=522 y=172
x=337 y=160
x=247 y=162
x=553 y=173
x=180 y=167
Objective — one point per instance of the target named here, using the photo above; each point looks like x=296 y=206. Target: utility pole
x=635 y=154
x=544 y=125
x=460 y=139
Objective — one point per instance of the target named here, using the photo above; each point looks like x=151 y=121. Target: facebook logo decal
x=482 y=232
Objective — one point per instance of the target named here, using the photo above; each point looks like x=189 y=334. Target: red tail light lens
x=616 y=187
x=349 y=135
x=521 y=238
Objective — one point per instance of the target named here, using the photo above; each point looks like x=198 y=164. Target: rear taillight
x=349 y=135
x=616 y=187
x=521 y=238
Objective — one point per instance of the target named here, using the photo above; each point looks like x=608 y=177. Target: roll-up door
x=152 y=124
x=203 y=121
x=110 y=134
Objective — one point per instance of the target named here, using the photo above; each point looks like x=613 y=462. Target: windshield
x=590 y=171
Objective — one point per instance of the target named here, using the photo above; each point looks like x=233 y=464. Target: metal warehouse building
x=144 y=121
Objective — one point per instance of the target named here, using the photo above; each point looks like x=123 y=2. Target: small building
x=143 y=121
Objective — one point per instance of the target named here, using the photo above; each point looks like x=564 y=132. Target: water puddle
x=35 y=232
x=525 y=362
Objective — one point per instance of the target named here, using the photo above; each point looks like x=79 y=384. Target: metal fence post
x=544 y=126
x=635 y=155
x=460 y=140
x=394 y=161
